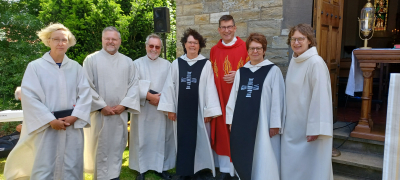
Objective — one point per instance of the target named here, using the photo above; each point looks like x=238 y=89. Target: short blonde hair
x=17 y=93
x=45 y=34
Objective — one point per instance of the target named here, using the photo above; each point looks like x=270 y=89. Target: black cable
x=347 y=125
x=347 y=138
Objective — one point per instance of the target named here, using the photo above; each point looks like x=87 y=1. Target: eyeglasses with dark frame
x=258 y=49
x=226 y=27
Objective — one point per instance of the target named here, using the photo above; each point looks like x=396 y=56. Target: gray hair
x=111 y=28
x=17 y=93
x=152 y=35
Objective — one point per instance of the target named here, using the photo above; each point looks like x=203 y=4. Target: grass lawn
x=126 y=173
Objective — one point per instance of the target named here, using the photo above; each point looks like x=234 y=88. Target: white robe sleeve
x=131 y=99
x=144 y=85
x=97 y=101
x=168 y=99
x=212 y=105
x=230 y=107
x=36 y=114
x=83 y=102
x=319 y=121
x=278 y=107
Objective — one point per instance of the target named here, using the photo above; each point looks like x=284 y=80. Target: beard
x=153 y=55
x=111 y=48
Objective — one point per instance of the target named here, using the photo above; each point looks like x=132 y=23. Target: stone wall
x=262 y=16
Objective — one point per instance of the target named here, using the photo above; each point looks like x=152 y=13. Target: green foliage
x=87 y=18
x=171 y=40
x=18 y=47
x=8 y=127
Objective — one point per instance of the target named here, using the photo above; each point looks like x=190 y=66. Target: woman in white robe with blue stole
x=256 y=113
x=307 y=141
x=190 y=97
x=52 y=148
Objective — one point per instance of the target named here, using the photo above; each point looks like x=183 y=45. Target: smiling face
x=111 y=41
x=301 y=44
x=256 y=52
x=59 y=42
x=227 y=31
x=151 y=48
x=192 y=46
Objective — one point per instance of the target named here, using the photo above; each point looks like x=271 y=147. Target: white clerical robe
x=266 y=158
x=42 y=152
x=113 y=80
x=208 y=107
x=152 y=144
x=309 y=113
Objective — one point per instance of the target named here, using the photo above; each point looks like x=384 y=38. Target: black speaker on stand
x=162 y=24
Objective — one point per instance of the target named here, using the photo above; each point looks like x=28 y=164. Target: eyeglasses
x=111 y=39
x=258 y=49
x=152 y=46
x=56 y=40
x=299 y=39
x=193 y=42
x=226 y=27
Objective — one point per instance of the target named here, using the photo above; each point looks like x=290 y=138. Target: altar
x=364 y=62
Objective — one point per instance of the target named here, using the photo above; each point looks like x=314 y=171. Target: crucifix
x=189 y=80
x=250 y=87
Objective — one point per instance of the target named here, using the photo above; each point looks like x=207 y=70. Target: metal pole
x=165 y=45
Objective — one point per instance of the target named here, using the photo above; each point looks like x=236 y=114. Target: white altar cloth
x=355 y=83
x=391 y=160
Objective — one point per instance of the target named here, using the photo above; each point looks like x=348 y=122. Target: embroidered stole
x=245 y=119
x=188 y=101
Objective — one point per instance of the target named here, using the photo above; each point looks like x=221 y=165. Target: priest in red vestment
x=227 y=56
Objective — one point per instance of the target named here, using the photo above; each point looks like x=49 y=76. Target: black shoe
x=140 y=176
x=184 y=178
x=204 y=174
x=164 y=175
x=224 y=176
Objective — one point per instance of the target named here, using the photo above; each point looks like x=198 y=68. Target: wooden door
x=328 y=23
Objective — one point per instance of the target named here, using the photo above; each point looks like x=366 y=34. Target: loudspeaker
x=161 y=20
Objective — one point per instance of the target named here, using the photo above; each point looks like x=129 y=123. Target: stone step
x=341 y=137
x=339 y=176
x=362 y=165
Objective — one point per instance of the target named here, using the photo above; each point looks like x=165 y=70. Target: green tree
x=87 y=18
x=19 y=45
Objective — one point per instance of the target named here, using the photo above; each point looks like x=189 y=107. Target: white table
x=11 y=115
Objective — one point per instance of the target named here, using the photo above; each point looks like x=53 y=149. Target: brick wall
x=262 y=16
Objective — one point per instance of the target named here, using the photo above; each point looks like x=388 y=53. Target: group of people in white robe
x=277 y=130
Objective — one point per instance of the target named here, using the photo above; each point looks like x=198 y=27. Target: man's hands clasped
x=153 y=98
x=108 y=111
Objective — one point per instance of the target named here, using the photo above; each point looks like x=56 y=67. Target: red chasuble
x=224 y=59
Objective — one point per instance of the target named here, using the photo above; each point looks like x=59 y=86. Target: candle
x=366 y=22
